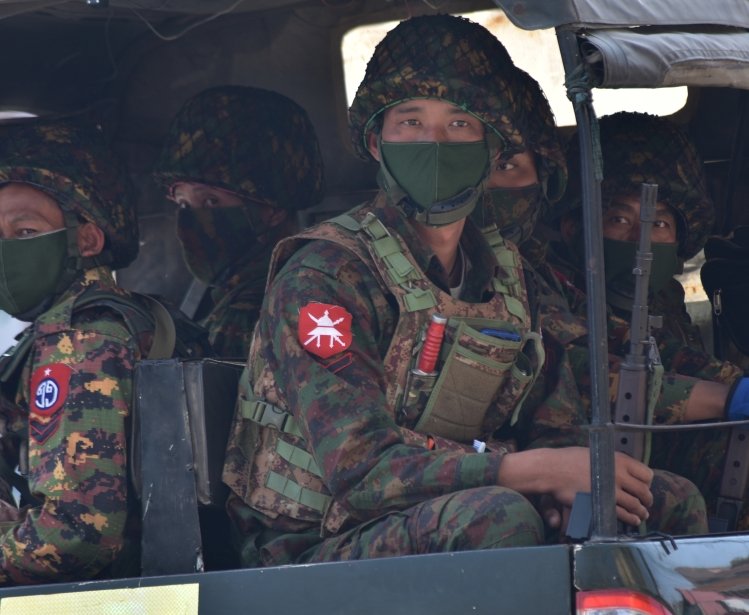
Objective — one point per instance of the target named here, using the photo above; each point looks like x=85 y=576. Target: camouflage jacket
x=236 y=307
x=368 y=462
x=683 y=355
x=71 y=409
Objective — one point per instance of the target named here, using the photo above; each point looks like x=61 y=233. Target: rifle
x=641 y=371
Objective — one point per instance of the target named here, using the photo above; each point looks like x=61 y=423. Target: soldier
x=354 y=436
x=639 y=148
x=523 y=187
x=239 y=161
x=66 y=222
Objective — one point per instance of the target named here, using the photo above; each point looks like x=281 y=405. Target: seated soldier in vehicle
x=335 y=453
x=66 y=221
x=639 y=148
x=239 y=161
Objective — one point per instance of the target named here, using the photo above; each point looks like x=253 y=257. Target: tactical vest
x=484 y=377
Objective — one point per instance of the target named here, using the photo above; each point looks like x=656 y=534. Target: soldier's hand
x=563 y=472
x=633 y=495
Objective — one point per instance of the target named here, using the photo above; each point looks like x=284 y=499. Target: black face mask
x=514 y=211
x=213 y=239
x=619 y=260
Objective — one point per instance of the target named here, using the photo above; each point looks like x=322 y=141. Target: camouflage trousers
x=480 y=518
x=678 y=506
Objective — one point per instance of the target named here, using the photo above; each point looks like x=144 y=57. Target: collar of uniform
x=482 y=266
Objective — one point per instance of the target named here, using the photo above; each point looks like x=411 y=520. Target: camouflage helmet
x=438 y=56
x=70 y=159
x=539 y=129
x=256 y=143
x=516 y=217
x=642 y=148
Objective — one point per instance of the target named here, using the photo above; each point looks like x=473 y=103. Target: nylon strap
x=164 y=332
x=295 y=492
x=16 y=355
x=398 y=267
x=538 y=347
x=655 y=383
x=510 y=286
x=268 y=415
x=298 y=456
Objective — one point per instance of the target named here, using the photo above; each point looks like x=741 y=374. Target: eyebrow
x=415 y=106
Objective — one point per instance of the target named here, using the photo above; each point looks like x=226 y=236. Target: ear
x=90 y=239
x=372 y=146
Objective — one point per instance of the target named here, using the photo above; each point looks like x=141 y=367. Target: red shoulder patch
x=324 y=329
x=50 y=385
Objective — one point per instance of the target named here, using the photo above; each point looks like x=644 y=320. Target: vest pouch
x=478 y=367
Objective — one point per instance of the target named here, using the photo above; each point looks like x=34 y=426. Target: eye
x=662 y=223
x=410 y=122
x=211 y=202
x=506 y=165
x=23 y=233
x=618 y=219
x=460 y=123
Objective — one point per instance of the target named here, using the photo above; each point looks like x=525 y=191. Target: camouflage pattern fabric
x=696 y=455
x=256 y=143
x=639 y=148
x=72 y=407
x=373 y=466
x=236 y=307
x=70 y=160
x=439 y=56
x=516 y=216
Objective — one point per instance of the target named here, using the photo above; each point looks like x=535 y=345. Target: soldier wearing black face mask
x=239 y=161
x=639 y=148
x=344 y=445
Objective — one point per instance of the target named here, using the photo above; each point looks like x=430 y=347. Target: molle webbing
x=272 y=417
x=511 y=272
x=400 y=270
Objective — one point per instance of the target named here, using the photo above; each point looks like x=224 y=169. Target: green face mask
x=214 y=239
x=619 y=260
x=442 y=179
x=30 y=270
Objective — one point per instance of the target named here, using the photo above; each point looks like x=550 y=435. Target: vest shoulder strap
x=138 y=316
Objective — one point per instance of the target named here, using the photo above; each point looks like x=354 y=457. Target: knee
x=496 y=517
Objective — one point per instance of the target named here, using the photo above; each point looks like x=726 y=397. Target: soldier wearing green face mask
x=348 y=441
x=66 y=221
x=639 y=148
x=239 y=161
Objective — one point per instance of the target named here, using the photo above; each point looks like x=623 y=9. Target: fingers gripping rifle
x=641 y=371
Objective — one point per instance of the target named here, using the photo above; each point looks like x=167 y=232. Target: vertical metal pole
x=604 y=524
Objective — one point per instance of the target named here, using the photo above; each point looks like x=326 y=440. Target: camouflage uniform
x=640 y=148
x=262 y=147
x=323 y=462
x=66 y=392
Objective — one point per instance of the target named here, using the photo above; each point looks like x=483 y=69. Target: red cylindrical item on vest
x=430 y=351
